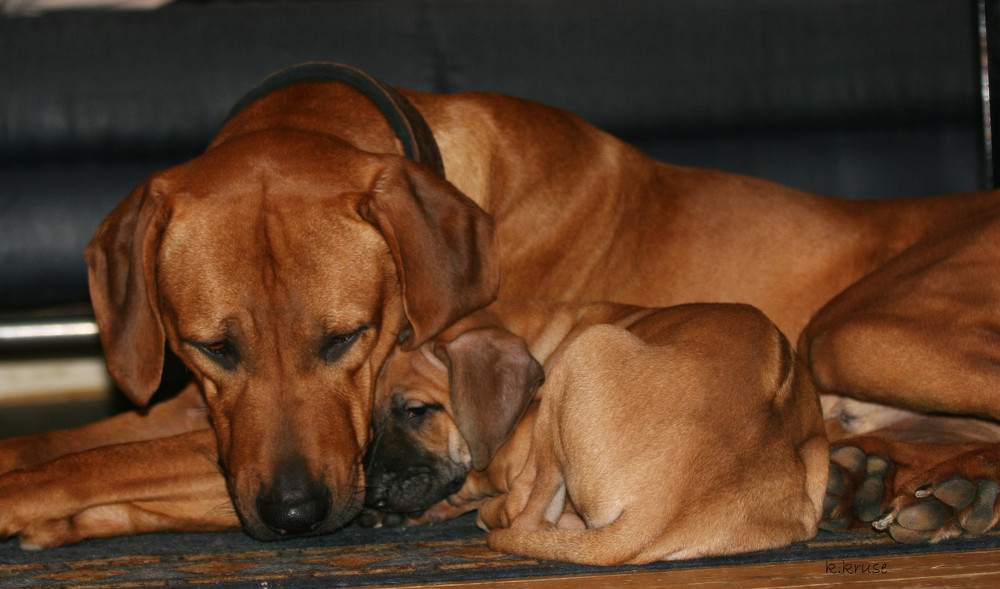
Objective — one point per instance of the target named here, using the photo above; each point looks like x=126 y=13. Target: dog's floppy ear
x=121 y=261
x=443 y=244
x=493 y=379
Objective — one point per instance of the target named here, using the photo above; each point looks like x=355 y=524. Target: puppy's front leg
x=167 y=484
x=183 y=413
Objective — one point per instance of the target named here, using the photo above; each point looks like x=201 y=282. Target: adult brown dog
x=284 y=264
x=630 y=458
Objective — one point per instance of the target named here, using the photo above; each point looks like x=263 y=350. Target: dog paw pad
x=851 y=458
x=980 y=517
x=868 y=496
x=954 y=507
x=925 y=516
x=837 y=481
x=834 y=503
x=908 y=536
x=856 y=488
x=956 y=492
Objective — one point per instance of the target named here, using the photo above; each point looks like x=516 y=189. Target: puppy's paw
x=442 y=511
x=370 y=518
x=956 y=498
x=492 y=513
x=858 y=488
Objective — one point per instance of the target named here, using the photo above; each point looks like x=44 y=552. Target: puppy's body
x=653 y=431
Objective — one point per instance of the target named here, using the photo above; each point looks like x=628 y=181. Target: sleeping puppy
x=658 y=434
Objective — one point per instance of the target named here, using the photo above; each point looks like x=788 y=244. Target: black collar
x=409 y=126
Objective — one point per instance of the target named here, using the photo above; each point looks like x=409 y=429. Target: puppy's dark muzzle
x=411 y=491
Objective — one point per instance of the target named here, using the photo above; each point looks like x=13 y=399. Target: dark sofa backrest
x=852 y=98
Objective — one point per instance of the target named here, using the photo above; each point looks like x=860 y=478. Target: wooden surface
x=942 y=569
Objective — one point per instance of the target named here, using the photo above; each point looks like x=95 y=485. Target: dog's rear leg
x=537 y=496
x=168 y=484
x=921 y=332
x=183 y=413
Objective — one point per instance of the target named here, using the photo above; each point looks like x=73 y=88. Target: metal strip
x=26 y=334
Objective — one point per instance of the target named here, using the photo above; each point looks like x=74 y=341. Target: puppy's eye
x=337 y=345
x=416 y=410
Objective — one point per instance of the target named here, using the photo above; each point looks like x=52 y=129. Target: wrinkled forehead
x=302 y=241
x=298 y=257
x=334 y=279
x=416 y=374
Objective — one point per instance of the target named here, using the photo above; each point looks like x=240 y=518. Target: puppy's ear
x=443 y=244
x=121 y=261
x=493 y=379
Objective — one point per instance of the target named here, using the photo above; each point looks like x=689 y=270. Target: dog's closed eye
x=222 y=352
x=337 y=345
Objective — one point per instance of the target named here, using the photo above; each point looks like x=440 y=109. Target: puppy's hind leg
x=619 y=542
x=537 y=496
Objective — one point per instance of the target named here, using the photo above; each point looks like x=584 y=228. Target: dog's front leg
x=167 y=484
x=183 y=413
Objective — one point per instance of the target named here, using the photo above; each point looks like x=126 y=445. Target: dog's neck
x=407 y=123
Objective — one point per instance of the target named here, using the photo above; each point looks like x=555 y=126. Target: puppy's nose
x=293 y=505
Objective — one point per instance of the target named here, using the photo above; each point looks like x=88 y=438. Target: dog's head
x=442 y=410
x=282 y=267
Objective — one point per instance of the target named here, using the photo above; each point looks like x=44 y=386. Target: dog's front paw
x=956 y=498
x=41 y=511
x=858 y=488
x=14 y=455
x=12 y=520
x=23 y=517
x=46 y=534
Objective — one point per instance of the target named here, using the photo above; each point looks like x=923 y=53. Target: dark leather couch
x=850 y=98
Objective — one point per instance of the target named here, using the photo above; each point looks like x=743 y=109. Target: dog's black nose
x=293 y=514
x=293 y=507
